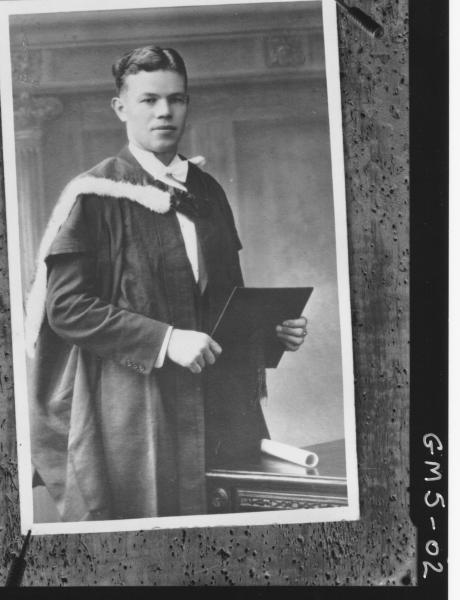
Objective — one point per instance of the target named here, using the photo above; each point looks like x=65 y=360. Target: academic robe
x=112 y=436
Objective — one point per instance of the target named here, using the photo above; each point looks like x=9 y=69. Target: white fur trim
x=149 y=196
x=198 y=160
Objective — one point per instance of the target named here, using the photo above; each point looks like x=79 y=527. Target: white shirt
x=150 y=163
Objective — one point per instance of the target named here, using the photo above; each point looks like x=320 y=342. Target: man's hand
x=192 y=349
x=292 y=333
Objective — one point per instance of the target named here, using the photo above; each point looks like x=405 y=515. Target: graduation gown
x=112 y=436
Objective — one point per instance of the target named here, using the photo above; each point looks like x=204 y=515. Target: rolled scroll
x=289 y=453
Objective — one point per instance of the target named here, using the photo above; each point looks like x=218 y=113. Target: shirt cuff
x=164 y=347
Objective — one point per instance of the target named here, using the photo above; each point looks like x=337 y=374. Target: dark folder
x=249 y=319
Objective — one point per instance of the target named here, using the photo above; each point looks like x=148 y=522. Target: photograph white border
x=350 y=512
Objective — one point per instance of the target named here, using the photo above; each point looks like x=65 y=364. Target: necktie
x=189 y=204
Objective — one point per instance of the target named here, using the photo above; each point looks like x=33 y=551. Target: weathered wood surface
x=380 y=548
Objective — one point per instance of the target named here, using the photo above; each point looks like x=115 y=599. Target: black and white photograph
x=227 y=308
x=178 y=265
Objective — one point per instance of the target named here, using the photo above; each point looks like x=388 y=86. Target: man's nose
x=162 y=108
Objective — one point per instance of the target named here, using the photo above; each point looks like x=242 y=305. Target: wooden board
x=380 y=548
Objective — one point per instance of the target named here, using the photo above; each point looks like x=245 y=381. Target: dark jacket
x=113 y=437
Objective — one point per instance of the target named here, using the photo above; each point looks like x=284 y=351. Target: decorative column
x=31 y=112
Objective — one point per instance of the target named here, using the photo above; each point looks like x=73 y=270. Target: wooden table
x=274 y=484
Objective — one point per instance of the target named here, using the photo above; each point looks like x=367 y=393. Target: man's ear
x=119 y=108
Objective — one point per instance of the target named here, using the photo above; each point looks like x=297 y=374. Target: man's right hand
x=192 y=349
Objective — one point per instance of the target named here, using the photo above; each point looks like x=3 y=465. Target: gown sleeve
x=78 y=315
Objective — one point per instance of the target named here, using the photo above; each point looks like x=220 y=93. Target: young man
x=131 y=398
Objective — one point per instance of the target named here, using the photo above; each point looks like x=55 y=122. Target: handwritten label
x=434 y=500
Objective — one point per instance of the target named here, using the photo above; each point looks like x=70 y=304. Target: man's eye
x=179 y=99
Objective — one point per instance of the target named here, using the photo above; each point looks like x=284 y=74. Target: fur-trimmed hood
x=116 y=177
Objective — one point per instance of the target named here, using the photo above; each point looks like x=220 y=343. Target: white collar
x=150 y=163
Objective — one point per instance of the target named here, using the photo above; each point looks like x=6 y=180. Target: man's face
x=154 y=107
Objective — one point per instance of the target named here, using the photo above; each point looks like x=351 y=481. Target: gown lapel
x=182 y=389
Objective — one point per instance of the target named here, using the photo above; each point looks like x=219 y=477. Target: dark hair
x=147 y=58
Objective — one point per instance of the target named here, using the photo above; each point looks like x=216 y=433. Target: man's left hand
x=292 y=333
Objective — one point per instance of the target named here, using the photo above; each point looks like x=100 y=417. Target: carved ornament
x=284 y=51
x=26 y=65
x=30 y=111
x=220 y=499
x=272 y=503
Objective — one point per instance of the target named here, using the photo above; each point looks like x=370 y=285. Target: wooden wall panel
x=380 y=548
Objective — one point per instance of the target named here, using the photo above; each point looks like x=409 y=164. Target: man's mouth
x=164 y=128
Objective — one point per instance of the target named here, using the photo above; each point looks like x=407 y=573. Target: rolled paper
x=289 y=453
